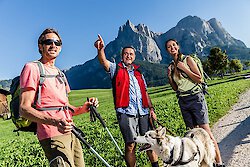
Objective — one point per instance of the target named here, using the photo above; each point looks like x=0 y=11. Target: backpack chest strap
x=61 y=108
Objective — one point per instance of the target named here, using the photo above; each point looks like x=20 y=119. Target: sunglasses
x=51 y=41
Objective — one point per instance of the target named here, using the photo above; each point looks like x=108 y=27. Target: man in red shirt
x=132 y=102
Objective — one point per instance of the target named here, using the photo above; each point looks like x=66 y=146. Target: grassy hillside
x=24 y=150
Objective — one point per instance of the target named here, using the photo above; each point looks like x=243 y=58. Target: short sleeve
x=29 y=77
x=112 y=68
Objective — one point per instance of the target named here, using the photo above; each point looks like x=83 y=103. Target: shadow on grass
x=228 y=80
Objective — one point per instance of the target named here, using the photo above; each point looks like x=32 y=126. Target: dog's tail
x=210 y=153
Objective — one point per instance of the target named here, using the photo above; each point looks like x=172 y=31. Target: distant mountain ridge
x=194 y=35
x=5 y=84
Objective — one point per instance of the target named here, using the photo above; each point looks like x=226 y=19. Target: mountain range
x=195 y=35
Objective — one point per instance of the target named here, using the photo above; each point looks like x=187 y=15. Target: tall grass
x=24 y=150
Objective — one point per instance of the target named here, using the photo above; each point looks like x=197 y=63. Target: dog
x=195 y=149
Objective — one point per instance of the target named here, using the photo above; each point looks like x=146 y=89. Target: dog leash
x=152 y=120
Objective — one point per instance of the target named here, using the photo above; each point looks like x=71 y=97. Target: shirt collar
x=124 y=66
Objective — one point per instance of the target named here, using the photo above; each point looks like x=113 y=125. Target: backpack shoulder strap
x=62 y=76
x=41 y=81
x=182 y=57
x=62 y=79
x=198 y=63
x=42 y=71
x=171 y=65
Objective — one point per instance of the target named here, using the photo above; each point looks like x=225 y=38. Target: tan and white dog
x=196 y=149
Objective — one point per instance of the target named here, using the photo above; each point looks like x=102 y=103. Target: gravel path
x=232 y=133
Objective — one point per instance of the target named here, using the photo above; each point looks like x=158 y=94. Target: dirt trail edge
x=232 y=133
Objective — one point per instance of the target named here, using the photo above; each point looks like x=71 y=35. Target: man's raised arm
x=99 y=44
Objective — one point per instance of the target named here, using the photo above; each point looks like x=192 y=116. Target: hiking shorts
x=194 y=110
x=132 y=126
x=64 y=150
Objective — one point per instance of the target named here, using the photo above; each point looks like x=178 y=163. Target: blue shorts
x=132 y=126
x=194 y=110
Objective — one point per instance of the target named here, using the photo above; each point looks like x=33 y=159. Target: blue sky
x=79 y=21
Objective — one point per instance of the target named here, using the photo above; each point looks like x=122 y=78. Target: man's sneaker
x=219 y=165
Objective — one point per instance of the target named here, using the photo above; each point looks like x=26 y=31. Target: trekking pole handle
x=93 y=108
x=94 y=111
x=78 y=134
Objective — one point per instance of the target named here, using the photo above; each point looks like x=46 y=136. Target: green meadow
x=23 y=150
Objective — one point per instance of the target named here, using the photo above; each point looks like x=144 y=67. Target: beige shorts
x=64 y=149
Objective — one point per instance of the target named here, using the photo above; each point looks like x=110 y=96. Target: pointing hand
x=99 y=43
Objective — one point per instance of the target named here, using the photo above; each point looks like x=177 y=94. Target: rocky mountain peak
x=129 y=27
x=141 y=38
x=197 y=35
x=129 y=23
x=195 y=24
x=189 y=21
x=223 y=35
x=143 y=29
x=214 y=21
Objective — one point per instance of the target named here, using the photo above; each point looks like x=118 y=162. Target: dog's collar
x=171 y=157
x=179 y=162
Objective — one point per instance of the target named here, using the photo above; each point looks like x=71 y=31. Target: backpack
x=203 y=85
x=205 y=77
x=23 y=124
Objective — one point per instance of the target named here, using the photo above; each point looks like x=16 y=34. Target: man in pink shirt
x=53 y=113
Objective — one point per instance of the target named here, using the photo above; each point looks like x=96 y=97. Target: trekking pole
x=80 y=135
x=206 y=76
x=93 y=112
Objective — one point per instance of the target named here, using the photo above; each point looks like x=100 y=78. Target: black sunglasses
x=50 y=41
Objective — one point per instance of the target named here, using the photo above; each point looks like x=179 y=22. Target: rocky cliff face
x=221 y=36
x=140 y=37
x=194 y=35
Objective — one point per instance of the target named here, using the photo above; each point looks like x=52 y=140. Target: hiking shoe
x=219 y=165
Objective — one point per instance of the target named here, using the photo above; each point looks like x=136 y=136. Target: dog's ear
x=158 y=129
x=162 y=132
